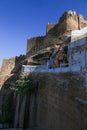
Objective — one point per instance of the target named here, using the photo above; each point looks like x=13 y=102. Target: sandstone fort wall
x=58 y=107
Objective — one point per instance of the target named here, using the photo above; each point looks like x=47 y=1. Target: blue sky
x=23 y=19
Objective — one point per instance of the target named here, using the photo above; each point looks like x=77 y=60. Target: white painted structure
x=39 y=69
x=78 y=50
x=77 y=56
x=76 y=33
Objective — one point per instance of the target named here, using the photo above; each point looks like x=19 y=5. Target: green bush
x=23 y=85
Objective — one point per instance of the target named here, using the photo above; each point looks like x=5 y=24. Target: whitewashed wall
x=36 y=69
x=78 y=53
x=75 y=33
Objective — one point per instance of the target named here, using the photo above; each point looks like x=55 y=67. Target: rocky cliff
x=9 y=73
x=60 y=101
x=41 y=48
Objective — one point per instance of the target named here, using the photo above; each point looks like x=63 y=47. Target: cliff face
x=55 y=35
x=56 y=103
x=58 y=107
x=60 y=101
x=9 y=73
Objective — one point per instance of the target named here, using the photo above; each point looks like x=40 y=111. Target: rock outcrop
x=39 y=49
x=55 y=104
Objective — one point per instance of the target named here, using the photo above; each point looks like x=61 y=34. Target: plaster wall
x=78 y=52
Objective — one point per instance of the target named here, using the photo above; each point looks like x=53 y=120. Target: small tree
x=23 y=85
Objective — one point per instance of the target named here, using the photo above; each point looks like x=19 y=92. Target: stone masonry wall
x=58 y=107
x=10 y=67
x=49 y=26
x=56 y=33
x=7 y=66
x=9 y=74
x=6 y=70
x=34 y=44
x=81 y=21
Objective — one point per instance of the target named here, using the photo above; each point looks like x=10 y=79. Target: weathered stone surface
x=54 y=106
x=50 y=26
x=55 y=35
x=68 y=21
x=9 y=74
x=9 y=68
x=57 y=105
x=34 y=44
